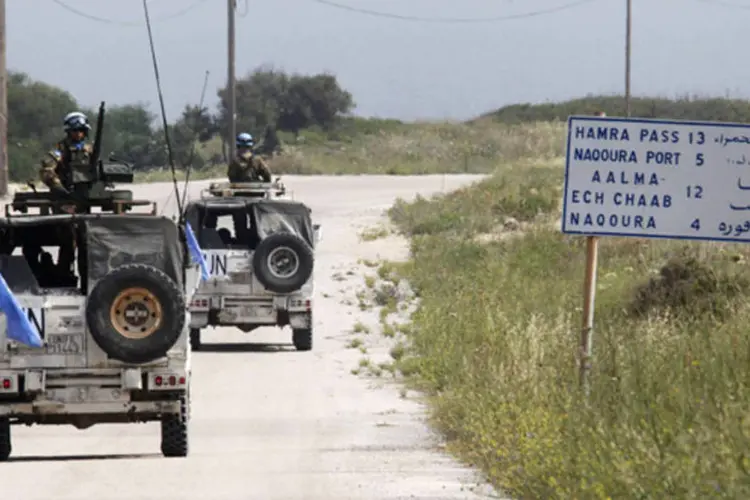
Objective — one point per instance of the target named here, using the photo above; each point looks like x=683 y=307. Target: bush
x=495 y=338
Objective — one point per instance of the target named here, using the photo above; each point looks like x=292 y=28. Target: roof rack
x=244 y=189
x=107 y=201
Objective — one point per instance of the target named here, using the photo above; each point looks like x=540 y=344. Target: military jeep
x=260 y=251
x=113 y=323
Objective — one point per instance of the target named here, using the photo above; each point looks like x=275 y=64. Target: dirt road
x=269 y=422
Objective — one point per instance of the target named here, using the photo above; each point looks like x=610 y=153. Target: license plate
x=64 y=343
x=255 y=312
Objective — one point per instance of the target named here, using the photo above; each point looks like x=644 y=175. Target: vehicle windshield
x=225 y=228
x=47 y=255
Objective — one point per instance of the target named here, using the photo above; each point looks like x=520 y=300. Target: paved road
x=268 y=422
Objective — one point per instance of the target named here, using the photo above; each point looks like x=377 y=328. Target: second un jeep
x=259 y=247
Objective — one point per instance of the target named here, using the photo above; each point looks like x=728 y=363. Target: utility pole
x=231 y=82
x=628 y=33
x=3 y=107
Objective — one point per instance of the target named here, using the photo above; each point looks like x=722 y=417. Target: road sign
x=657 y=179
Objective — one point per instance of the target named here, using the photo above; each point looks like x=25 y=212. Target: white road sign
x=657 y=179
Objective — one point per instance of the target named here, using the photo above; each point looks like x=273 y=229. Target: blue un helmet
x=76 y=121
x=244 y=140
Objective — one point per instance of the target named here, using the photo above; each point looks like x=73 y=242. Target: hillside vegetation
x=685 y=108
x=494 y=345
x=304 y=126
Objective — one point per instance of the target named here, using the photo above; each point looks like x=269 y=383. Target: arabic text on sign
x=652 y=178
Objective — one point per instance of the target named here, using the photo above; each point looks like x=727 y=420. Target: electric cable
x=722 y=3
x=118 y=22
x=454 y=20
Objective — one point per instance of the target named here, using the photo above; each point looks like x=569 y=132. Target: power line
x=127 y=23
x=722 y=3
x=454 y=20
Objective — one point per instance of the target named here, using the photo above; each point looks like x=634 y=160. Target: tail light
x=199 y=303
x=166 y=382
x=8 y=383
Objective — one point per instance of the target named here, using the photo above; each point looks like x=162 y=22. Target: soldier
x=247 y=167
x=62 y=169
x=69 y=163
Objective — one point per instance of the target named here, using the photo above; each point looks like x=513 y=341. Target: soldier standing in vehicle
x=247 y=167
x=70 y=162
x=64 y=167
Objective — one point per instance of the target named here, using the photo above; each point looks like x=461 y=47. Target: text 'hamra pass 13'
x=657 y=178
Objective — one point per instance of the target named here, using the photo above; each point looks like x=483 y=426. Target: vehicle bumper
x=43 y=407
x=274 y=311
x=129 y=394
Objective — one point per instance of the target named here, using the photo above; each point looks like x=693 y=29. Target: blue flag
x=195 y=251
x=18 y=326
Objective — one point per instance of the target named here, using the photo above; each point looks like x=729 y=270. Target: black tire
x=302 y=339
x=174 y=430
x=283 y=245
x=195 y=339
x=5 y=446
x=136 y=289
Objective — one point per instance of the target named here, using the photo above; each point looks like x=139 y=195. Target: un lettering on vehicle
x=657 y=178
x=37 y=318
x=217 y=262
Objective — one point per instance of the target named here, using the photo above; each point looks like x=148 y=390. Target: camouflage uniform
x=67 y=165
x=248 y=168
x=62 y=169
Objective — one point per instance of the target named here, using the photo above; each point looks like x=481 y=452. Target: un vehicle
x=259 y=246
x=111 y=312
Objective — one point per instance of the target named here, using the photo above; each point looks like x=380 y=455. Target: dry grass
x=423 y=148
x=494 y=341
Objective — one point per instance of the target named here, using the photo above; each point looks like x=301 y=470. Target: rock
x=511 y=224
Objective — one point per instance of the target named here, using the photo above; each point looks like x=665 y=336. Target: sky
x=394 y=68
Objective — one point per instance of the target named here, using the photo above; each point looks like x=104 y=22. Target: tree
x=257 y=96
x=326 y=99
x=35 y=114
x=268 y=96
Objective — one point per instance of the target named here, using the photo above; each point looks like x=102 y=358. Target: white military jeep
x=114 y=326
x=260 y=251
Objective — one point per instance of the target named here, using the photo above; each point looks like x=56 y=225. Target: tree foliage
x=267 y=100
x=269 y=97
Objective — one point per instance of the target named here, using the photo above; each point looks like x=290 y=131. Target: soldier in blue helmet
x=247 y=167
x=69 y=162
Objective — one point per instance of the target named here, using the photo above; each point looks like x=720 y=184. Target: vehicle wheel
x=5 y=447
x=283 y=262
x=174 y=430
x=302 y=339
x=136 y=313
x=195 y=339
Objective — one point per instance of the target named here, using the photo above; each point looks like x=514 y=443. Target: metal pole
x=231 y=83
x=3 y=107
x=628 y=34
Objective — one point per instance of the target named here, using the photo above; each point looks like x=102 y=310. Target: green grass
x=494 y=346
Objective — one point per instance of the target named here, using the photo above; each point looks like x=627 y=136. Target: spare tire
x=283 y=262
x=136 y=313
